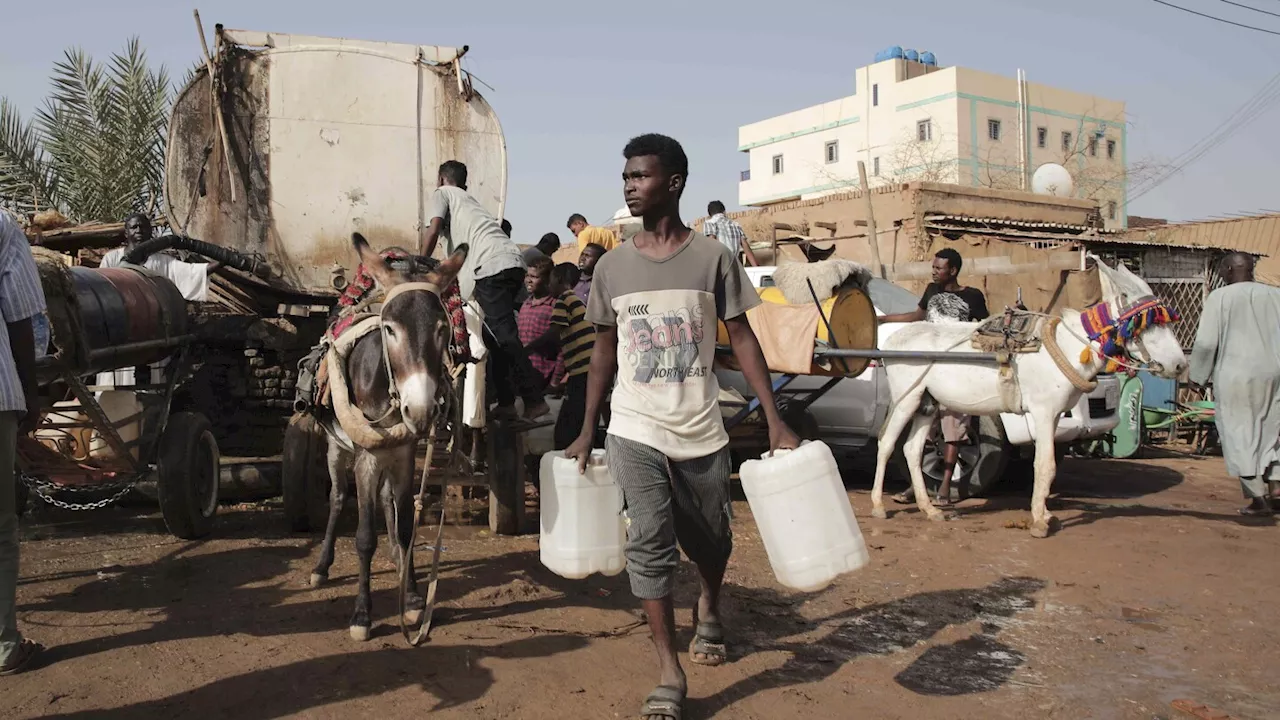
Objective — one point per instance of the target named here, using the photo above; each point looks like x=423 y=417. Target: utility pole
x=871 y=221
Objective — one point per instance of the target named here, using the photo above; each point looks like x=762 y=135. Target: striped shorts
x=667 y=502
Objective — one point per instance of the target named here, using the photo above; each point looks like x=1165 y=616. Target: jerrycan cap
x=597 y=458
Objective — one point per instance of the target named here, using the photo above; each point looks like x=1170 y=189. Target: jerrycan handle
x=781 y=451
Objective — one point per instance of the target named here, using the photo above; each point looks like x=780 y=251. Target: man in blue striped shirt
x=21 y=300
x=728 y=232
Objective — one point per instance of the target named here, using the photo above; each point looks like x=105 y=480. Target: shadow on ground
x=258 y=591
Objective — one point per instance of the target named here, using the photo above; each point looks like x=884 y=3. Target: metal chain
x=42 y=488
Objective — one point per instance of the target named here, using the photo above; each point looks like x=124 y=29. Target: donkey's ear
x=446 y=271
x=383 y=273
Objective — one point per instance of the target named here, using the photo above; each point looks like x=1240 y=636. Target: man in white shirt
x=191 y=279
x=493 y=275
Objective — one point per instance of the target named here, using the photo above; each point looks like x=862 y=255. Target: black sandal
x=665 y=701
x=22 y=657
x=708 y=641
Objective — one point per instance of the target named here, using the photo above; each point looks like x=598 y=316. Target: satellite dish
x=1052 y=179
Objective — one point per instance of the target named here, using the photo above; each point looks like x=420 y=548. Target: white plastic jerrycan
x=804 y=516
x=583 y=530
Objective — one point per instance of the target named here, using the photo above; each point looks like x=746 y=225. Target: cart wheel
x=981 y=464
x=187 y=475
x=304 y=475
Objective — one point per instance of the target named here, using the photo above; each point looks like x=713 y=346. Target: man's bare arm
x=914 y=316
x=430 y=237
x=604 y=365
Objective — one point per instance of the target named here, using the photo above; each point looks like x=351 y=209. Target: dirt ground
x=1151 y=590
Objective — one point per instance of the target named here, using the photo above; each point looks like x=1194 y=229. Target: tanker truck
x=278 y=149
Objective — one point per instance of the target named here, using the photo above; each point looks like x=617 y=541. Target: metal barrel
x=130 y=316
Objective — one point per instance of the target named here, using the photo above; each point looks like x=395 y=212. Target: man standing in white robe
x=1237 y=347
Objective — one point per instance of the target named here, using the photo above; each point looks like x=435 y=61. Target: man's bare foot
x=506 y=412
x=708 y=645
x=536 y=410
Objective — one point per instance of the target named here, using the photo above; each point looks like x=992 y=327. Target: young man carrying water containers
x=655 y=302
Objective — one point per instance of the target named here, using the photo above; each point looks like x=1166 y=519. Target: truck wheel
x=187 y=475
x=304 y=475
x=981 y=464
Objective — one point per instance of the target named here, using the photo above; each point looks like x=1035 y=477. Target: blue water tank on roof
x=912 y=55
x=928 y=58
x=879 y=56
x=894 y=52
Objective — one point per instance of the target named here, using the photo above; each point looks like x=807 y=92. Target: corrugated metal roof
x=1257 y=235
x=1024 y=224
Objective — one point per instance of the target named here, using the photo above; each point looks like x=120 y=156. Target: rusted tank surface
x=325 y=136
x=126 y=314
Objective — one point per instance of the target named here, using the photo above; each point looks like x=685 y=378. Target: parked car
x=849 y=416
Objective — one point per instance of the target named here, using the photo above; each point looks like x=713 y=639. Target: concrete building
x=911 y=119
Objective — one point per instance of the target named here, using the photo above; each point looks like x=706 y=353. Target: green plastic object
x=1128 y=432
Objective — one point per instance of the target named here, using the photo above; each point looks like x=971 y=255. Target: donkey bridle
x=392 y=391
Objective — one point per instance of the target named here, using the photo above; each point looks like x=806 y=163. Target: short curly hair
x=669 y=153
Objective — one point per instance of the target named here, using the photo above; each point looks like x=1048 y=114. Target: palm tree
x=95 y=151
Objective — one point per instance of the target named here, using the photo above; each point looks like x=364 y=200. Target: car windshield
x=891 y=299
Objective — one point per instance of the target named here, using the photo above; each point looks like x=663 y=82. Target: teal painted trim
x=1003 y=103
x=799 y=133
x=926 y=101
x=973 y=137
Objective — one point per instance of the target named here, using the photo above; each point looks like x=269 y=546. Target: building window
x=833 y=151
x=924 y=130
x=1111 y=149
x=993 y=129
x=875 y=95
x=1066 y=142
x=1042 y=136
x=1111 y=209
x=777 y=164
x=875 y=166
x=1093 y=146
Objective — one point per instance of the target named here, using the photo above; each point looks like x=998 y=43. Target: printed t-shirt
x=666 y=311
x=964 y=305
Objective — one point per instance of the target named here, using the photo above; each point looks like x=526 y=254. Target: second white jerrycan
x=804 y=516
x=581 y=521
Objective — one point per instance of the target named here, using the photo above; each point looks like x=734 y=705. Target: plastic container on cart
x=582 y=526
x=804 y=516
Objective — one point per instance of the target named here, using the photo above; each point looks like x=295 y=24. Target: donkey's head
x=1155 y=346
x=415 y=329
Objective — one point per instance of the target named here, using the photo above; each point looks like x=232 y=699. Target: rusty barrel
x=120 y=309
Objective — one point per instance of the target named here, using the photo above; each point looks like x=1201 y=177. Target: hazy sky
x=575 y=80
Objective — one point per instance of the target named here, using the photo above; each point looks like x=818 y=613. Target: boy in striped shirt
x=577 y=338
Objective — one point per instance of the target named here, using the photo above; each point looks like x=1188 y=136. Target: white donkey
x=1040 y=385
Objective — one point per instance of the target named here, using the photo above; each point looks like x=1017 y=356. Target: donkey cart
x=97 y=441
